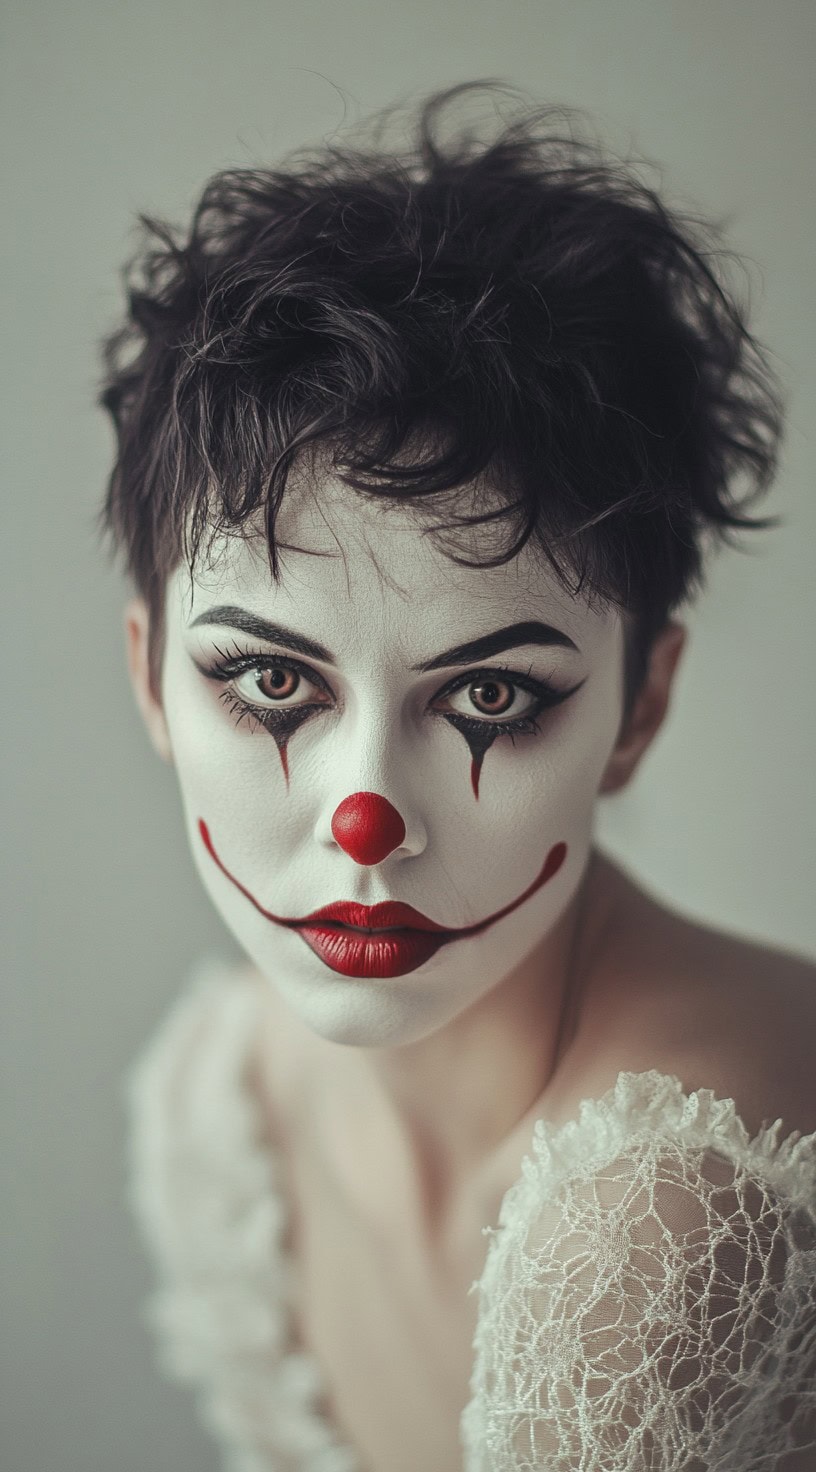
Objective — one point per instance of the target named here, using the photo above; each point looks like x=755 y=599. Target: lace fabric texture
x=647 y=1303
x=649 y=1298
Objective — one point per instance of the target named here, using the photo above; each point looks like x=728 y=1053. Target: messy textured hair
x=521 y=314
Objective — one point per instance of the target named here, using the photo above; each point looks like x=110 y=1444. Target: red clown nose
x=367 y=827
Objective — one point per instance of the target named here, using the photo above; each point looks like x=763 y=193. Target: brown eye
x=489 y=698
x=492 y=697
x=277 y=683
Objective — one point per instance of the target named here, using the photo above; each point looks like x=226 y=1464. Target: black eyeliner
x=285 y=719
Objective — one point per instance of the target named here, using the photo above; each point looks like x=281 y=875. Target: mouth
x=384 y=940
x=389 y=915
x=353 y=951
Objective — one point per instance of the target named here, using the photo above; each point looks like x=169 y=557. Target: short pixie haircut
x=523 y=315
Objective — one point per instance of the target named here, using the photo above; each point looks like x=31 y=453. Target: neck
x=436 y=1113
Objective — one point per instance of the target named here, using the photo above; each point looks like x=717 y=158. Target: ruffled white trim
x=207 y=1193
x=653 y=1106
x=207 y=1190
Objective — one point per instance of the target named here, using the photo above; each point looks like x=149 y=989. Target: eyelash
x=237 y=661
x=546 y=697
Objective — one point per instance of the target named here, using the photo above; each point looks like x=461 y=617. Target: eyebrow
x=260 y=628
x=529 y=631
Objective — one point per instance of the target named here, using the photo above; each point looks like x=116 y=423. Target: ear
x=137 y=631
x=649 y=709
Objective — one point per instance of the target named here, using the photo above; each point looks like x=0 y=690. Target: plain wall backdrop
x=109 y=109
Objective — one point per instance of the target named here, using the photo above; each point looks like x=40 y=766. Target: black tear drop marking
x=281 y=742
x=478 y=741
x=475 y=771
x=282 y=725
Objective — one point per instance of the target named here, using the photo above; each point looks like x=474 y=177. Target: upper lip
x=388 y=915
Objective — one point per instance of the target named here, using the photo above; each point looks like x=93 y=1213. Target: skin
x=445 y=1060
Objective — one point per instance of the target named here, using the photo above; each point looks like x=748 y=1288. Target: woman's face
x=384 y=726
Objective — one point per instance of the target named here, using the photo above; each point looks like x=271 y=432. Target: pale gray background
x=112 y=108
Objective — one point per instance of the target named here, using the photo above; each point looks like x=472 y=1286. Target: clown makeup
x=388 y=763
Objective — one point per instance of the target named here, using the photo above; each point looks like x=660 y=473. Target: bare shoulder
x=714 y=1009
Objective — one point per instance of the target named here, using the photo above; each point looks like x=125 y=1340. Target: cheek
x=228 y=775
x=571 y=752
x=542 y=791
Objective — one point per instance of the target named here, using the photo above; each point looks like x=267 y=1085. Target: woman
x=478 y=1162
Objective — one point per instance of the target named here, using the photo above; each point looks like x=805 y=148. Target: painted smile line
x=378 y=941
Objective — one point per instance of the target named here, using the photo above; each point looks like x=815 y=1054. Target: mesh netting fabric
x=647 y=1303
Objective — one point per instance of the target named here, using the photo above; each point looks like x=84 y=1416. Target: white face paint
x=382 y=600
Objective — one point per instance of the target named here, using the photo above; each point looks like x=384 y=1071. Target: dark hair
x=523 y=309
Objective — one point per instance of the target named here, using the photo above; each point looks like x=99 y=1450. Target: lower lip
x=388 y=953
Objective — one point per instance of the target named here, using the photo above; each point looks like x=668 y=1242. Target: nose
x=367 y=827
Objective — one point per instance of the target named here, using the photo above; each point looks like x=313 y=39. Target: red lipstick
x=389 y=915
x=384 y=940
x=382 y=953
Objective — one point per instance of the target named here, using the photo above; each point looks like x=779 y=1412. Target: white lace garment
x=647 y=1304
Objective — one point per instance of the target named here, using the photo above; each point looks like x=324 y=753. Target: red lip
x=389 y=915
x=380 y=953
x=399 y=937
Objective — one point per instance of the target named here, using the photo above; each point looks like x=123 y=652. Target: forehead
x=354 y=562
